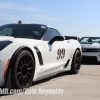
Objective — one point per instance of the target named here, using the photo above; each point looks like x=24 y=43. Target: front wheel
x=23 y=70
x=76 y=62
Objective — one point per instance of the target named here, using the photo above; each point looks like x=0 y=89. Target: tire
x=76 y=62
x=23 y=70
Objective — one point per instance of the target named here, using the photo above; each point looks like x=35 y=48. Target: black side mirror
x=56 y=38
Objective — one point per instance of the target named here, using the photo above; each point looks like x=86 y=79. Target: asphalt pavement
x=64 y=86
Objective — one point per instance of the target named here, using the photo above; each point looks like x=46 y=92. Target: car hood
x=93 y=45
x=3 y=38
x=22 y=41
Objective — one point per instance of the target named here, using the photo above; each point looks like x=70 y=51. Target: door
x=57 y=54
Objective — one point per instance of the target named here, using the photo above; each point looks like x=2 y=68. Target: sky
x=71 y=17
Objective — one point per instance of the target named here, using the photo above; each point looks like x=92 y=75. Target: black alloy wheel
x=23 y=70
x=76 y=62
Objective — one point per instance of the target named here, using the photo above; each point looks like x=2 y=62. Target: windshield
x=87 y=40
x=32 y=31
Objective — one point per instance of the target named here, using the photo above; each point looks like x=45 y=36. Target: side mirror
x=56 y=38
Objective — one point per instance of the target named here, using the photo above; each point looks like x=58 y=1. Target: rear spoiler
x=71 y=37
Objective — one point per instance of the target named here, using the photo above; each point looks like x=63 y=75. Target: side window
x=60 y=33
x=50 y=33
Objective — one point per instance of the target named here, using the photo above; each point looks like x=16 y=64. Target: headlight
x=3 y=44
x=97 y=50
x=83 y=50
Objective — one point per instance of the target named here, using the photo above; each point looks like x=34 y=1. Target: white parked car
x=90 y=49
x=31 y=52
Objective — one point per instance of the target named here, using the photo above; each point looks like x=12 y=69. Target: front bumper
x=91 y=56
x=3 y=60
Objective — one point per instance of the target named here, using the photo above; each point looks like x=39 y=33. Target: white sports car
x=31 y=52
x=90 y=49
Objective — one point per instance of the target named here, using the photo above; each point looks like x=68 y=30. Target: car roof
x=31 y=24
x=25 y=24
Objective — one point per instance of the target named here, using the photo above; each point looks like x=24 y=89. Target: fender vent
x=67 y=63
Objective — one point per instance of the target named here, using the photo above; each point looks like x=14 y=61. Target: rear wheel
x=23 y=70
x=76 y=62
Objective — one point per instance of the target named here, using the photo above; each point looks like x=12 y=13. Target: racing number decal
x=60 y=53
